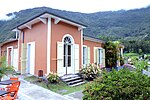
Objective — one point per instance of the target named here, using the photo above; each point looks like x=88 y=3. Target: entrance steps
x=72 y=79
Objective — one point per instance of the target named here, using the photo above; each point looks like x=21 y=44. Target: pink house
x=53 y=43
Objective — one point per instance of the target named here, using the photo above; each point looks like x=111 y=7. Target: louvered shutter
x=23 y=58
x=76 y=58
x=60 y=58
x=95 y=55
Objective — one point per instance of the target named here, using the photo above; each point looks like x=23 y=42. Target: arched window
x=67 y=40
x=67 y=52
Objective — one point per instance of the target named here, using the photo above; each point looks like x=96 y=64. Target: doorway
x=30 y=58
x=68 y=55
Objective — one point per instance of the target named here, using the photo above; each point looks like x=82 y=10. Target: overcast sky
x=84 y=6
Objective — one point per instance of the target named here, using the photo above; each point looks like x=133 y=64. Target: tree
x=112 y=53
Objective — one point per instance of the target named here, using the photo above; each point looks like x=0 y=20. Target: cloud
x=6 y=17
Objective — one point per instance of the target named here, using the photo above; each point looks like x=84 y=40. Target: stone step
x=70 y=79
x=74 y=82
x=68 y=76
x=80 y=83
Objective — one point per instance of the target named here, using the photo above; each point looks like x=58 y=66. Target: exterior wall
x=92 y=44
x=58 y=31
x=37 y=34
x=4 y=47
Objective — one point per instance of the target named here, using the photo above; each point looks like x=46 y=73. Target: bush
x=119 y=85
x=4 y=70
x=53 y=78
x=140 y=65
x=90 y=72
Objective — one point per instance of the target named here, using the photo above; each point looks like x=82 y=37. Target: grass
x=131 y=54
x=60 y=88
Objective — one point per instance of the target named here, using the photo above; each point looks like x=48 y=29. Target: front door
x=30 y=58
x=67 y=58
x=68 y=61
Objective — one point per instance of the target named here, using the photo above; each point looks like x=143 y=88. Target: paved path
x=76 y=95
x=29 y=91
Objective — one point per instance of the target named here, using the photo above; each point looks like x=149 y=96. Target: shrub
x=4 y=70
x=140 y=65
x=119 y=85
x=90 y=72
x=53 y=78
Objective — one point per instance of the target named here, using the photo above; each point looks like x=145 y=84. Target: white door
x=30 y=58
x=68 y=66
x=15 y=59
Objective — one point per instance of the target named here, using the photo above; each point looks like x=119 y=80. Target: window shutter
x=76 y=58
x=60 y=58
x=23 y=58
x=95 y=55
x=103 y=57
x=88 y=55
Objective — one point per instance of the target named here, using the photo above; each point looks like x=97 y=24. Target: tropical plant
x=53 y=78
x=90 y=72
x=4 y=70
x=141 y=64
x=119 y=85
x=112 y=53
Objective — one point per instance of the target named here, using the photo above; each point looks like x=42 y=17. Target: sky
x=84 y=6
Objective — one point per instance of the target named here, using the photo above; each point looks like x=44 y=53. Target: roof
x=45 y=15
x=8 y=41
x=94 y=39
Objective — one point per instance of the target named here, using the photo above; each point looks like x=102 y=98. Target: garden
x=120 y=82
x=126 y=83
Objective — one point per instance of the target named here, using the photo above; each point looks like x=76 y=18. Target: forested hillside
x=132 y=25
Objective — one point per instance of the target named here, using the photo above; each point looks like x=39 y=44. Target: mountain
x=127 y=25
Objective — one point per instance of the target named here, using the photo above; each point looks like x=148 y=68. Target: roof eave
x=46 y=15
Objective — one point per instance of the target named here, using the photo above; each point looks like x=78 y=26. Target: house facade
x=9 y=49
x=52 y=43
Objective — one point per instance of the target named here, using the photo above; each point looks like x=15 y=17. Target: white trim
x=48 y=44
x=82 y=46
x=57 y=20
x=42 y=20
x=97 y=58
x=11 y=62
x=80 y=28
x=28 y=26
x=72 y=39
x=82 y=54
x=93 y=39
x=19 y=54
x=71 y=70
x=47 y=15
x=62 y=19
x=16 y=34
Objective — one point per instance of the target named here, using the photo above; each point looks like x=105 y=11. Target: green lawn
x=131 y=54
x=60 y=88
